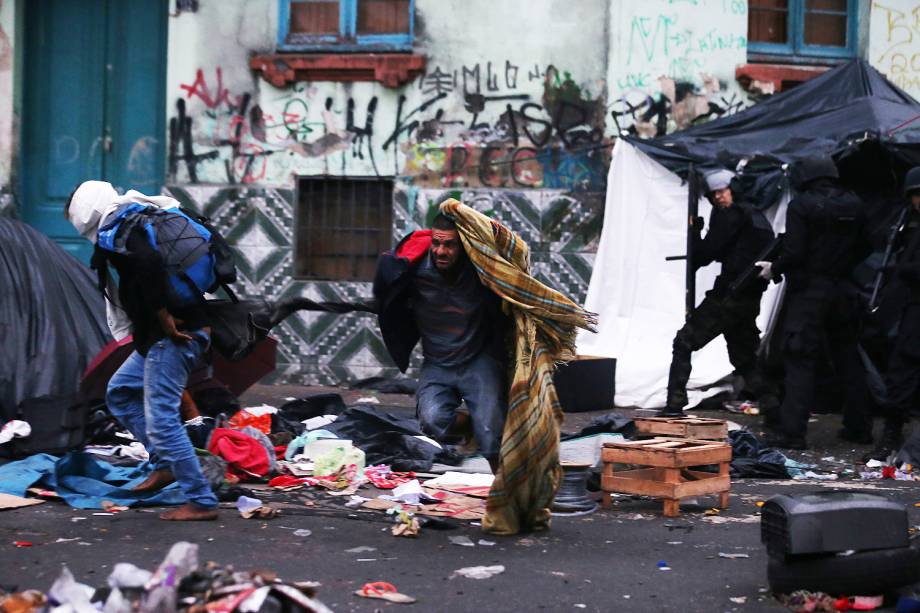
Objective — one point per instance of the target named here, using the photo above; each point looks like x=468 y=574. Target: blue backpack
x=196 y=258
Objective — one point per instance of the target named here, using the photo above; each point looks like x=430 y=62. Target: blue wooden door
x=93 y=105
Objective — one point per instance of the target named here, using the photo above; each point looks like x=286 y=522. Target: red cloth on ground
x=245 y=456
x=415 y=246
x=244 y=418
x=286 y=481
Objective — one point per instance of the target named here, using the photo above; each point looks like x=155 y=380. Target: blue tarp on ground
x=83 y=481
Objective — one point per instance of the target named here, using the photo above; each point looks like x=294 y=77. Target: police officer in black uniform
x=737 y=234
x=824 y=241
x=902 y=379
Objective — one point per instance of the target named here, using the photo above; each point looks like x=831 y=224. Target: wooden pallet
x=697 y=428
x=666 y=470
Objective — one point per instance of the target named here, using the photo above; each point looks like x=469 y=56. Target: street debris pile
x=178 y=584
x=312 y=455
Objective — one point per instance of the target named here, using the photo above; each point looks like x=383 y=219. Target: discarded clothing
x=84 y=481
x=751 y=459
x=544 y=332
x=313 y=406
x=245 y=456
x=387 y=438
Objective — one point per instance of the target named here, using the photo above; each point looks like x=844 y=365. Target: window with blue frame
x=806 y=29
x=345 y=25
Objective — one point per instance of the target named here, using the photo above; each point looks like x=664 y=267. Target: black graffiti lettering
x=363 y=135
x=471 y=78
x=570 y=121
x=402 y=124
x=522 y=156
x=536 y=74
x=511 y=75
x=180 y=134
x=476 y=104
x=491 y=79
x=488 y=169
x=539 y=139
x=439 y=82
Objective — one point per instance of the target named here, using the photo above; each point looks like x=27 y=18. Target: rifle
x=753 y=270
x=886 y=258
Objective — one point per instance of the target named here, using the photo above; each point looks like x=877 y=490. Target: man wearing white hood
x=145 y=393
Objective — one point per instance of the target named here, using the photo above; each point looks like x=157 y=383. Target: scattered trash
x=580 y=606
x=253 y=507
x=367 y=400
x=712 y=511
x=14 y=429
x=738 y=599
x=463 y=541
x=803 y=601
x=662 y=565
x=734 y=556
x=408 y=493
x=361 y=549
x=406 y=523
x=485 y=543
x=22 y=543
x=810 y=474
x=480 y=572
x=303 y=532
x=743 y=407
x=384 y=591
x=23 y=602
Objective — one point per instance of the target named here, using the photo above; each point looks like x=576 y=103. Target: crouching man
x=427 y=288
x=169 y=339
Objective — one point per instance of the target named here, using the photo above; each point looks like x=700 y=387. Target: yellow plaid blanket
x=544 y=334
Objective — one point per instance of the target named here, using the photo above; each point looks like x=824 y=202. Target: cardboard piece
x=8 y=501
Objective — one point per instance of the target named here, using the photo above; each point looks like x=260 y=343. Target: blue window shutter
x=349 y=40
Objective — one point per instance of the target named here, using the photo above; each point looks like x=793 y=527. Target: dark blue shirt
x=451 y=314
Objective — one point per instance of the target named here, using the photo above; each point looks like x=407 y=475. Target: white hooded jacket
x=91 y=204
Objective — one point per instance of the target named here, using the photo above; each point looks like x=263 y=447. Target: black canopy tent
x=852 y=112
x=52 y=317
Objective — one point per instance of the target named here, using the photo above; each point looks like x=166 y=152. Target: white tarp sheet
x=638 y=296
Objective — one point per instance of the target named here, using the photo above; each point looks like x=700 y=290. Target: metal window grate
x=343 y=224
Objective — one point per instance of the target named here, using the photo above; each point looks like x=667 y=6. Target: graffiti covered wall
x=894 y=42
x=673 y=63
x=487 y=112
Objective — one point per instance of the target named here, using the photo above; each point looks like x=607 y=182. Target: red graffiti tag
x=200 y=88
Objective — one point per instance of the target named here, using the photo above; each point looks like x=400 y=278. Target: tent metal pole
x=693 y=201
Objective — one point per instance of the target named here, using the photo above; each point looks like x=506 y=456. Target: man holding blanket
x=491 y=335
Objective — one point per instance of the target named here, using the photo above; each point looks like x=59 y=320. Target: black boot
x=671 y=411
x=890 y=442
x=785 y=441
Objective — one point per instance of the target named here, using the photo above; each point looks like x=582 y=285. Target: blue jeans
x=481 y=383
x=144 y=395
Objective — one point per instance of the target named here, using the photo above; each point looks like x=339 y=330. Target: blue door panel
x=62 y=112
x=93 y=105
x=136 y=121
